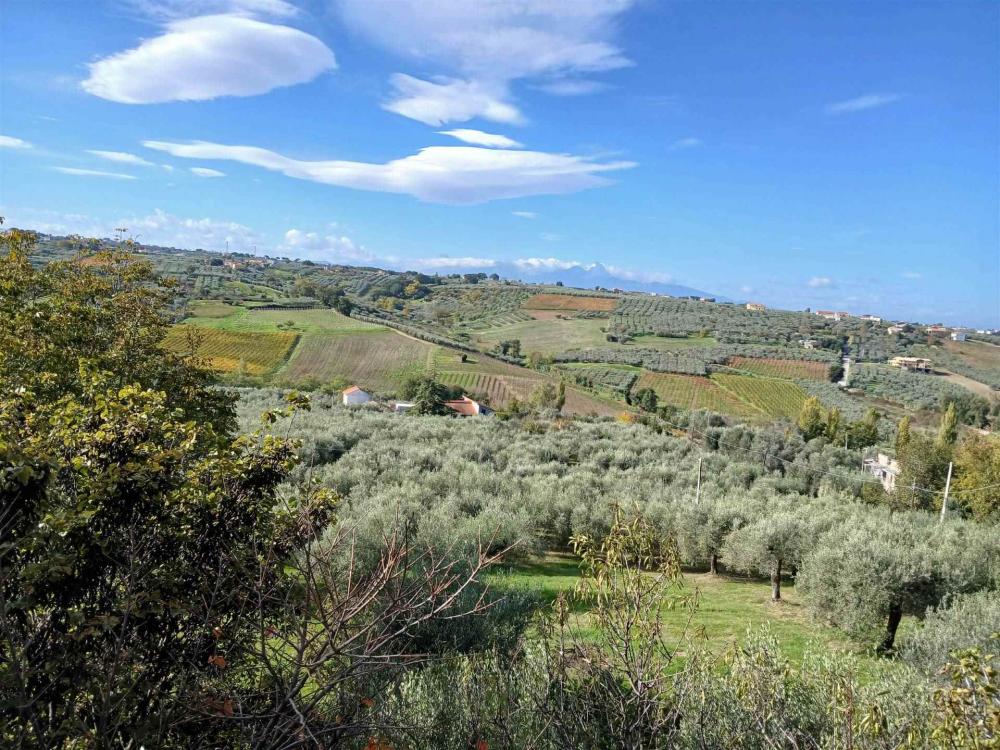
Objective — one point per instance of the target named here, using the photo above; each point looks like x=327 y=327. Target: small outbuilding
x=466 y=407
x=354 y=395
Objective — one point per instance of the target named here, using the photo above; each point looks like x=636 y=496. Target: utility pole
x=697 y=492
x=947 y=486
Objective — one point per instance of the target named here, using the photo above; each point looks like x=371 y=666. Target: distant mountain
x=582 y=276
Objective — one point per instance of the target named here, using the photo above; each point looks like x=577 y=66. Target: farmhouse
x=958 y=336
x=937 y=329
x=833 y=314
x=913 y=364
x=808 y=343
x=885 y=468
x=756 y=306
x=466 y=407
x=355 y=395
x=893 y=330
x=872 y=318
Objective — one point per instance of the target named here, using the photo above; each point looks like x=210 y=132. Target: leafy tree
x=132 y=515
x=923 y=466
x=836 y=373
x=561 y=395
x=902 y=435
x=948 y=428
x=878 y=567
x=977 y=477
x=810 y=421
x=646 y=399
x=767 y=546
x=864 y=432
x=427 y=394
x=832 y=428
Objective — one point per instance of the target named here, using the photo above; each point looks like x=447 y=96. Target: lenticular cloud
x=209 y=57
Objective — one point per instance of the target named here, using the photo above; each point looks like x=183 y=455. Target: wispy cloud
x=94 y=173
x=206 y=172
x=525 y=214
x=911 y=274
x=685 y=143
x=438 y=174
x=860 y=103
x=9 y=141
x=483 y=48
x=331 y=248
x=479 y=138
x=207 y=57
x=819 y=282
x=120 y=157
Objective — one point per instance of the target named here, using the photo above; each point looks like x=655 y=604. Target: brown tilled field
x=569 y=302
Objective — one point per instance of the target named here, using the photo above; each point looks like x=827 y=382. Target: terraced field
x=378 y=360
x=569 y=302
x=786 y=369
x=694 y=392
x=245 y=352
x=776 y=398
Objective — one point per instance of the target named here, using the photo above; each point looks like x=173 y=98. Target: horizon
x=848 y=162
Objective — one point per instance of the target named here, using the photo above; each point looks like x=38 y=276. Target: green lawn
x=728 y=605
x=238 y=318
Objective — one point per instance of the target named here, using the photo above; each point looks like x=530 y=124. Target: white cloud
x=156 y=228
x=206 y=172
x=9 y=141
x=438 y=174
x=485 y=46
x=550 y=264
x=450 y=100
x=162 y=228
x=207 y=57
x=120 y=157
x=449 y=262
x=911 y=274
x=685 y=143
x=93 y=173
x=746 y=289
x=329 y=248
x=525 y=214
x=860 y=103
x=818 y=282
x=479 y=138
x=166 y=10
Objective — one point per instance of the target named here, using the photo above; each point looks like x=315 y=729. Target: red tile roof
x=352 y=389
x=464 y=406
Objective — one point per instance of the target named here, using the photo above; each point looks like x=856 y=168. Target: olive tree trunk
x=776 y=581
x=895 y=615
x=713 y=564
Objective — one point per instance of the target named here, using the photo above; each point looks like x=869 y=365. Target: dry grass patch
x=570 y=302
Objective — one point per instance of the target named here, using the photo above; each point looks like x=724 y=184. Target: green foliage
x=977 y=469
x=810 y=421
x=646 y=399
x=427 y=394
x=962 y=622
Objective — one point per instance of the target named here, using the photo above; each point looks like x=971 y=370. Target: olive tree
x=766 y=546
x=871 y=570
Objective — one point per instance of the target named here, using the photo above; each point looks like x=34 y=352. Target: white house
x=872 y=318
x=755 y=307
x=893 y=330
x=401 y=407
x=958 y=336
x=886 y=468
x=355 y=395
x=809 y=343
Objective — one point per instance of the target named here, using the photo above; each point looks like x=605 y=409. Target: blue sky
x=835 y=155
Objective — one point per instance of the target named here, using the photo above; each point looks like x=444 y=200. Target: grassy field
x=243 y=352
x=375 y=359
x=694 y=392
x=787 y=369
x=728 y=606
x=776 y=398
x=569 y=302
x=237 y=318
x=548 y=336
x=976 y=353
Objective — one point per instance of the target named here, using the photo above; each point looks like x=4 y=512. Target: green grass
x=303 y=321
x=727 y=607
x=775 y=398
x=694 y=392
